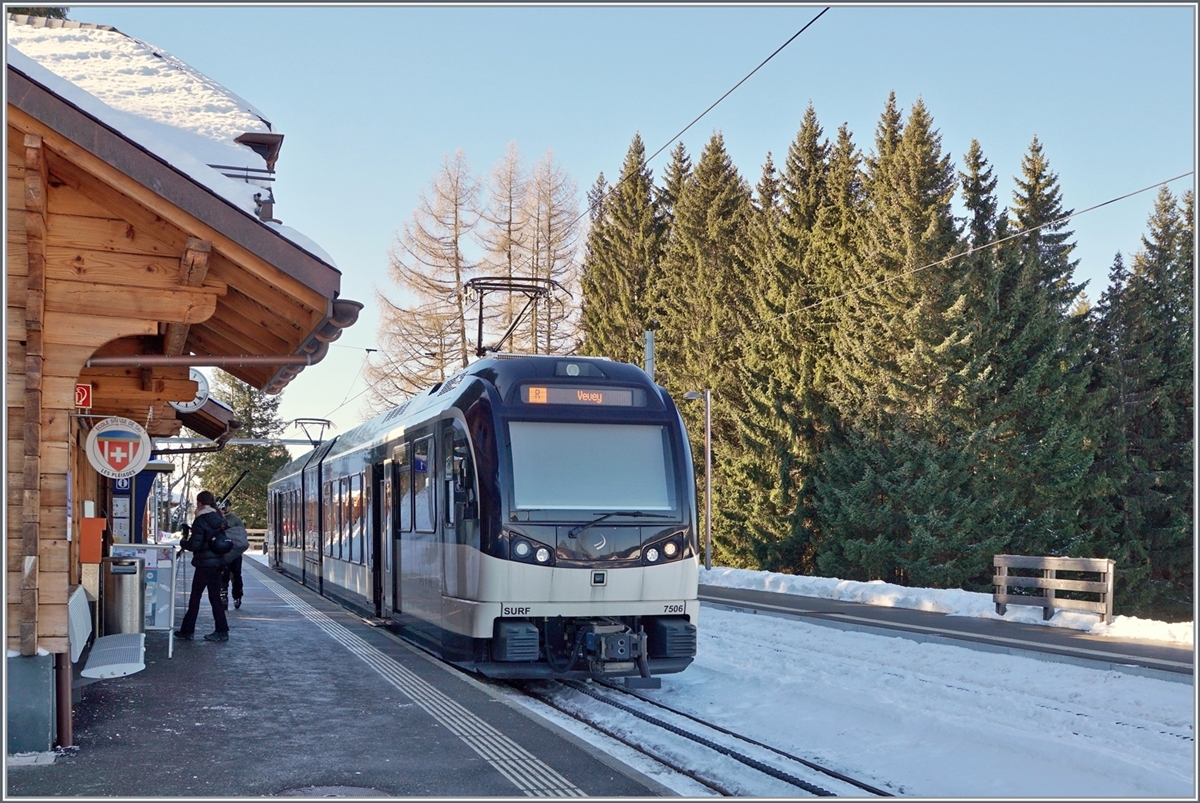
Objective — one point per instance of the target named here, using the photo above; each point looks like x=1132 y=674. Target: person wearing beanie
x=232 y=570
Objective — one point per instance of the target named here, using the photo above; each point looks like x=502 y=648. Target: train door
x=275 y=525
x=420 y=559
x=380 y=535
x=402 y=468
x=316 y=505
x=460 y=532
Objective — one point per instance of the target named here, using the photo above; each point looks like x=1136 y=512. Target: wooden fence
x=257 y=540
x=1049 y=583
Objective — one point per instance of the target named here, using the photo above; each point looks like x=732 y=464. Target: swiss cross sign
x=83 y=395
x=118 y=447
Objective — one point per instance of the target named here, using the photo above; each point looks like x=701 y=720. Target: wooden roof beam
x=193 y=267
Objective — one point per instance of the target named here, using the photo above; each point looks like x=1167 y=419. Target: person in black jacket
x=205 y=526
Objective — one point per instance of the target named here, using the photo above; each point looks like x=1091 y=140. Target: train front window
x=591 y=467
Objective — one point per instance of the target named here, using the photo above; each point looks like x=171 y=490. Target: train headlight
x=664 y=550
x=521 y=547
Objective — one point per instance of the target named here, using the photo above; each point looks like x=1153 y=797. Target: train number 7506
x=673 y=609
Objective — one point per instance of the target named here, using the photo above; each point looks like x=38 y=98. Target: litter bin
x=124 y=588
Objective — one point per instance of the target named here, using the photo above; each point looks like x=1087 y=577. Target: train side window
x=348 y=520
x=364 y=555
x=459 y=474
x=343 y=516
x=423 y=488
x=303 y=516
x=297 y=529
x=336 y=546
x=330 y=517
x=354 y=550
x=404 y=490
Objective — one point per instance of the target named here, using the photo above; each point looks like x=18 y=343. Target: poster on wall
x=120 y=516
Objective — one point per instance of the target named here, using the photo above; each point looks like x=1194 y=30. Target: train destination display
x=535 y=394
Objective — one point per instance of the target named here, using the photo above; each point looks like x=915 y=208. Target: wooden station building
x=123 y=270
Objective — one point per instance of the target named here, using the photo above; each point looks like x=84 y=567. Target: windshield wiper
x=637 y=514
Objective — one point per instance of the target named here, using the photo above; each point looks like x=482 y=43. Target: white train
x=530 y=517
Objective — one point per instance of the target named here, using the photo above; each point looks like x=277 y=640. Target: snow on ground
x=954 y=602
x=925 y=719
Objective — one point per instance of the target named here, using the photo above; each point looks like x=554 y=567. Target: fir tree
x=1143 y=341
x=595 y=199
x=890 y=490
x=888 y=134
x=675 y=178
x=1046 y=247
x=700 y=299
x=778 y=418
x=259 y=414
x=761 y=472
x=1109 y=519
x=624 y=247
x=1042 y=396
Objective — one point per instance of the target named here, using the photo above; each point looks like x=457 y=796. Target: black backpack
x=216 y=541
x=220 y=543
x=239 y=542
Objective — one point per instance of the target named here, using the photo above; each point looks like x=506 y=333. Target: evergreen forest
x=900 y=392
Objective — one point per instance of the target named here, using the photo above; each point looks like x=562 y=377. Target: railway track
x=740 y=766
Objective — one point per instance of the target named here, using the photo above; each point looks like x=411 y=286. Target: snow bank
x=953 y=602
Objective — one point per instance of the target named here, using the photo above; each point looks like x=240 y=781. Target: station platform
x=308 y=700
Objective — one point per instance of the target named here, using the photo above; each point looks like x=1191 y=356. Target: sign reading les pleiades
x=118 y=447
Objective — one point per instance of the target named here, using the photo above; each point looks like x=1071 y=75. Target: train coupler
x=617 y=650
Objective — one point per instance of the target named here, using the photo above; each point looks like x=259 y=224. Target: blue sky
x=370 y=99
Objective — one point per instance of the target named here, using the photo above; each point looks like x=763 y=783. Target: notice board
x=159 y=560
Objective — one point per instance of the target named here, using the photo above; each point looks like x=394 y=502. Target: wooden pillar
x=35 y=309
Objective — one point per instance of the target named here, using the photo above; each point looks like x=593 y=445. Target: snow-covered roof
x=156 y=100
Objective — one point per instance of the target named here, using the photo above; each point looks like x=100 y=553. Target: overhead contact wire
x=945 y=260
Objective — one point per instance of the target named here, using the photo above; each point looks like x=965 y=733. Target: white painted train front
x=530 y=517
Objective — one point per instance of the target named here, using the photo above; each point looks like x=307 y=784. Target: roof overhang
x=281 y=299
x=214 y=420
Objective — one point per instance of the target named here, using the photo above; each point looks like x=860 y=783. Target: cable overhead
x=952 y=257
x=735 y=86
x=699 y=117
x=683 y=130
